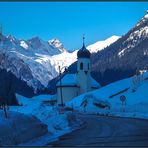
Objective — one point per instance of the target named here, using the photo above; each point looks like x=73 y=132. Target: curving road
x=107 y=131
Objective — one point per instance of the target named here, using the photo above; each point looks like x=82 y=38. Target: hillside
x=122 y=58
x=106 y=100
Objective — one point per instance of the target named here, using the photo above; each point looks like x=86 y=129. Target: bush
x=136 y=81
x=67 y=108
x=71 y=118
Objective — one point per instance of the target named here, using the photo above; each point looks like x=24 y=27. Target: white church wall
x=68 y=93
x=85 y=62
x=84 y=78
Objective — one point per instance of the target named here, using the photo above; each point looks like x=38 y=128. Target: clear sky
x=68 y=21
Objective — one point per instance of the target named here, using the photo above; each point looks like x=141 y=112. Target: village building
x=72 y=85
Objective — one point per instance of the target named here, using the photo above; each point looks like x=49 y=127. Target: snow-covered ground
x=18 y=128
x=58 y=124
x=106 y=100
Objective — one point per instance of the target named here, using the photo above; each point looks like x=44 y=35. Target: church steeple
x=83 y=70
x=83 y=52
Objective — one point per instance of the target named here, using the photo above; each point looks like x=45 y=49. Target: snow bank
x=18 y=128
x=136 y=104
x=39 y=106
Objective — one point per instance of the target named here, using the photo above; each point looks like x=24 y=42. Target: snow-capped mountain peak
x=135 y=36
x=143 y=20
x=124 y=57
x=11 y=38
x=57 y=44
x=36 y=42
x=100 y=45
x=24 y=44
x=36 y=61
x=146 y=16
x=51 y=47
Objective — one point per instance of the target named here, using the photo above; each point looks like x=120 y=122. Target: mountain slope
x=98 y=46
x=27 y=62
x=122 y=58
x=70 y=59
x=101 y=102
x=35 y=61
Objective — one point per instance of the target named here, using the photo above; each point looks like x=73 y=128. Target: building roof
x=94 y=83
x=83 y=52
x=71 y=80
x=68 y=79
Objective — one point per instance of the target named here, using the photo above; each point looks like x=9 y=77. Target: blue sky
x=68 y=21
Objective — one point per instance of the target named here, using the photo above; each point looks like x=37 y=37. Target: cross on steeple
x=83 y=40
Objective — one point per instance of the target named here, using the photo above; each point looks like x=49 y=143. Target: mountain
x=124 y=57
x=57 y=44
x=51 y=47
x=10 y=85
x=29 y=60
x=98 y=46
x=36 y=61
x=69 y=59
x=33 y=61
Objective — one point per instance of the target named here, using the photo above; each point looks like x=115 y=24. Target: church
x=73 y=85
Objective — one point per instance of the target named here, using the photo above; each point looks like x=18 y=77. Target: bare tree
x=3 y=106
x=6 y=92
x=137 y=80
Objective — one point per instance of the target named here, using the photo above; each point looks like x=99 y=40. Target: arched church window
x=81 y=66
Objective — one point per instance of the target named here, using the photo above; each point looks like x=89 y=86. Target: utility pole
x=61 y=88
x=60 y=74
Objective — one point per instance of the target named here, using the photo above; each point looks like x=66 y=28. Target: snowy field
x=19 y=128
x=106 y=100
x=42 y=121
x=57 y=123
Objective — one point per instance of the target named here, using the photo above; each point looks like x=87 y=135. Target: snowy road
x=107 y=131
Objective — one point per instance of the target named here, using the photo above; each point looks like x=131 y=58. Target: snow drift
x=19 y=128
x=135 y=105
x=42 y=108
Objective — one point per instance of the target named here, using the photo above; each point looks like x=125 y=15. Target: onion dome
x=83 y=52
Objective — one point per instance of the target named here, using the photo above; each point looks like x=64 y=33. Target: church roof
x=94 y=83
x=68 y=80
x=83 y=53
x=71 y=80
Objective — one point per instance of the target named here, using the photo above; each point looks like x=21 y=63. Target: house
x=72 y=85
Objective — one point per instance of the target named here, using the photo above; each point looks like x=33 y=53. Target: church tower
x=83 y=69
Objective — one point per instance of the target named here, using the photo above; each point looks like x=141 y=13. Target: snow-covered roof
x=68 y=79
x=71 y=80
x=94 y=83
